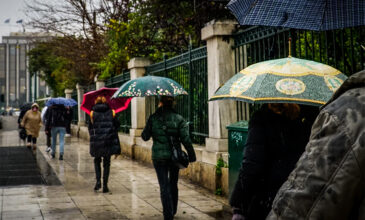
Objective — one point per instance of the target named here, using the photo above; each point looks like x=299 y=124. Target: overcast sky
x=12 y=9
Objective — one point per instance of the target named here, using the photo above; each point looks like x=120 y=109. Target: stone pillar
x=80 y=94
x=138 y=105
x=68 y=93
x=221 y=63
x=99 y=84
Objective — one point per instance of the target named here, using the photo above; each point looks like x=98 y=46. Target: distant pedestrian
x=165 y=122
x=276 y=138
x=69 y=115
x=48 y=132
x=104 y=140
x=32 y=123
x=56 y=122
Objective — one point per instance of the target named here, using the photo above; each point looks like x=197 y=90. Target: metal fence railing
x=125 y=116
x=190 y=70
x=341 y=49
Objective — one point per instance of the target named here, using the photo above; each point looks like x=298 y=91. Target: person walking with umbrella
x=56 y=122
x=104 y=141
x=32 y=123
x=277 y=135
x=163 y=123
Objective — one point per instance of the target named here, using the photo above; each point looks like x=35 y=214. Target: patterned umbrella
x=289 y=80
x=150 y=86
x=300 y=14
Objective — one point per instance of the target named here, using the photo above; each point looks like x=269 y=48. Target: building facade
x=17 y=84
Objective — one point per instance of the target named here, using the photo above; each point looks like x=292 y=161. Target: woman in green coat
x=165 y=122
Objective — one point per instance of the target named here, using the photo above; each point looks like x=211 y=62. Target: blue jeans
x=54 y=132
x=167 y=175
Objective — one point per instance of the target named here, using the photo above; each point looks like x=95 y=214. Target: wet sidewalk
x=134 y=190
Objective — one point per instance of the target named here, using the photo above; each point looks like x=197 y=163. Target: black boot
x=106 y=165
x=97 y=173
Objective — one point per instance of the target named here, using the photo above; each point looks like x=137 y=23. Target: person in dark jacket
x=69 y=116
x=163 y=123
x=104 y=141
x=328 y=180
x=276 y=138
x=56 y=123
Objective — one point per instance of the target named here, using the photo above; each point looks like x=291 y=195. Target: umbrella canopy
x=150 y=86
x=288 y=80
x=118 y=104
x=26 y=106
x=300 y=14
x=61 y=101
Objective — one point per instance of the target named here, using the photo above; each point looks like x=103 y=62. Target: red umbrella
x=118 y=104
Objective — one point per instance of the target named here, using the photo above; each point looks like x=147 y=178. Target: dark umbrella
x=150 y=86
x=26 y=106
x=118 y=104
x=300 y=14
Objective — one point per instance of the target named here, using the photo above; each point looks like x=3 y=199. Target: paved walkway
x=134 y=190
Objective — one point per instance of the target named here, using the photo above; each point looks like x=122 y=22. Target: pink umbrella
x=119 y=104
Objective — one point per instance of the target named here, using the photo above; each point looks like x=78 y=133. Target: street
x=65 y=190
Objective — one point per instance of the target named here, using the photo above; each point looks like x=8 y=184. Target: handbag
x=22 y=133
x=179 y=157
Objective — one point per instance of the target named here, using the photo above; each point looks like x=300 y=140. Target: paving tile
x=21 y=214
x=12 y=207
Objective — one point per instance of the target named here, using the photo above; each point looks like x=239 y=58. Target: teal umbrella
x=150 y=86
x=287 y=80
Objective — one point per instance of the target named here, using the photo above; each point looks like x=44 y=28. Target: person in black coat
x=104 y=141
x=56 y=122
x=277 y=136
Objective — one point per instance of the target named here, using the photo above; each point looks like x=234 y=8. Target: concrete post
x=138 y=105
x=68 y=93
x=80 y=94
x=221 y=63
x=99 y=84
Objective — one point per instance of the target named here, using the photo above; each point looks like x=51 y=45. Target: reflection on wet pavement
x=134 y=190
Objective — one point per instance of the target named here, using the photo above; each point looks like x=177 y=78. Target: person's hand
x=238 y=217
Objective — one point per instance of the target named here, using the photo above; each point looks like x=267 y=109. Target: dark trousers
x=106 y=166
x=48 y=137
x=167 y=175
x=31 y=139
x=68 y=128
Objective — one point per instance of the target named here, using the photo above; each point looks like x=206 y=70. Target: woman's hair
x=289 y=110
x=167 y=101
x=100 y=100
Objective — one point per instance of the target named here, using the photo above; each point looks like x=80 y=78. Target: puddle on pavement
x=18 y=166
x=222 y=214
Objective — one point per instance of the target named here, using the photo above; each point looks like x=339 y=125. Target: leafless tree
x=81 y=24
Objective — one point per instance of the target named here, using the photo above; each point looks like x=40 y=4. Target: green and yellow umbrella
x=287 y=80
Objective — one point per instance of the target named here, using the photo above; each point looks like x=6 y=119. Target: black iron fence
x=343 y=49
x=190 y=70
x=125 y=116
